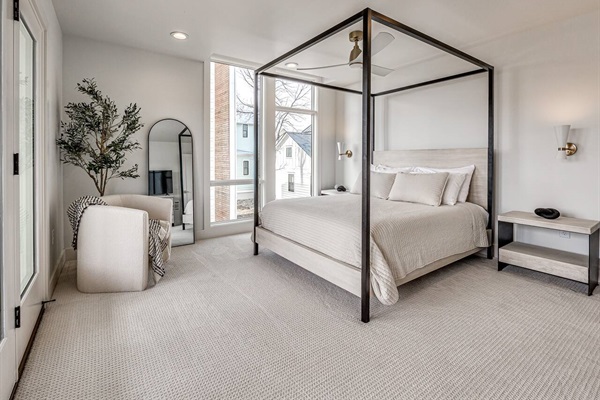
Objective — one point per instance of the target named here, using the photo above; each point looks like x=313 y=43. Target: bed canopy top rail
x=367 y=13
x=313 y=83
x=367 y=16
x=384 y=93
x=415 y=34
x=431 y=82
x=317 y=39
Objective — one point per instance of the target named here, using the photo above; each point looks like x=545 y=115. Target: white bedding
x=188 y=213
x=404 y=236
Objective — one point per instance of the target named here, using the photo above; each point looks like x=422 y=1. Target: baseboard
x=58 y=268
x=70 y=254
x=27 y=351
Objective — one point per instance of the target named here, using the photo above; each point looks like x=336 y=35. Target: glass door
x=22 y=286
x=28 y=188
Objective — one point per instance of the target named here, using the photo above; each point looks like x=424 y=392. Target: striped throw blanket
x=157 y=232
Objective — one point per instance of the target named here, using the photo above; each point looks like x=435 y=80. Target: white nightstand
x=576 y=267
x=331 y=192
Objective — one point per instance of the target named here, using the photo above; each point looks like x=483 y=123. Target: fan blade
x=380 y=71
x=375 y=69
x=356 y=51
x=380 y=42
x=327 y=66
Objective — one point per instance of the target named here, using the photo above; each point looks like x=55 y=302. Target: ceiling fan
x=381 y=41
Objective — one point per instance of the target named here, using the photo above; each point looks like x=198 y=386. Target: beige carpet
x=226 y=324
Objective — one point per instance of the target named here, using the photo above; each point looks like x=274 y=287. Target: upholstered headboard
x=444 y=158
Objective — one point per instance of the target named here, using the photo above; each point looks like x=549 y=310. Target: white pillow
x=421 y=188
x=453 y=186
x=392 y=170
x=381 y=184
x=464 y=190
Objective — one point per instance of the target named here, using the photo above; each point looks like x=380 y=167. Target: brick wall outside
x=222 y=141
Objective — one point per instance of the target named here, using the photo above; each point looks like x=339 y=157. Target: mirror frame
x=179 y=136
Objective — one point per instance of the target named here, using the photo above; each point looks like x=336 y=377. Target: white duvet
x=404 y=236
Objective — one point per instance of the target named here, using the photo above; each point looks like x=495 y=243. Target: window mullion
x=295 y=110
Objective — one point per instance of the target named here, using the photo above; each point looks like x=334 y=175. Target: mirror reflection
x=170 y=174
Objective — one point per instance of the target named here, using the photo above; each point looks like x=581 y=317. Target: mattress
x=404 y=236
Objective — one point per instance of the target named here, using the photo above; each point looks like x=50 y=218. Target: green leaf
x=97 y=138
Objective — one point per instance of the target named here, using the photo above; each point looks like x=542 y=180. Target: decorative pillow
x=381 y=183
x=392 y=170
x=464 y=190
x=424 y=188
x=453 y=186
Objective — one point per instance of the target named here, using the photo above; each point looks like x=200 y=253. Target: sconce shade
x=562 y=138
x=562 y=134
x=342 y=152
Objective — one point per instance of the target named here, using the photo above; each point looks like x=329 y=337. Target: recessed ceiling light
x=179 y=35
x=291 y=65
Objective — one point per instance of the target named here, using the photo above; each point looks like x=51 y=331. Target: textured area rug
x=225 y=324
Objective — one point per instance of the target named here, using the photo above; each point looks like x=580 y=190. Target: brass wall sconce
x=565 y=148
x=341 y=153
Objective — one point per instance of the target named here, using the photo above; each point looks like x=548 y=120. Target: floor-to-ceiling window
x=231 y=143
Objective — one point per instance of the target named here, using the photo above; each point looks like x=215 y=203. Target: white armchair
x=112 y=243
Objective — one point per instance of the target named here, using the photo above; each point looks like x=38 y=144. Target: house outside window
x=295 y=114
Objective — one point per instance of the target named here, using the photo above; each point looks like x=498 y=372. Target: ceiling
x=260 y=30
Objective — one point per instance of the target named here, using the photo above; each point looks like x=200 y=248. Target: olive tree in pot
x=96 y=138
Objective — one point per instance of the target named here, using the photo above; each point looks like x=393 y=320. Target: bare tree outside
x=294 y=114
x=287 y=95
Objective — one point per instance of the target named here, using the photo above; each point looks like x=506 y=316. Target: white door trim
x=30 y=301
x=8 y=355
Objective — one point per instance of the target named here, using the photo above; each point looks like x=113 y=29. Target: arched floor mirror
x=170 y=174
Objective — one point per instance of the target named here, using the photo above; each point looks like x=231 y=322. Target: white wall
x=452 y=114
x=326 y=133
x=544 y=77
x=163 y=86
x=349 y=118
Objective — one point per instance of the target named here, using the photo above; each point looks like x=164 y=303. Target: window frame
x=214 y=183
x=206 y=227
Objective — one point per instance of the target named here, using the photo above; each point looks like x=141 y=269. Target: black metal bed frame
x=368 y=105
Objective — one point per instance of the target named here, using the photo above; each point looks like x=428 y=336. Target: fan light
x=292 y=65
x=179 y=35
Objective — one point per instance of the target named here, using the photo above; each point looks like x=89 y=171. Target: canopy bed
x=395 y=241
